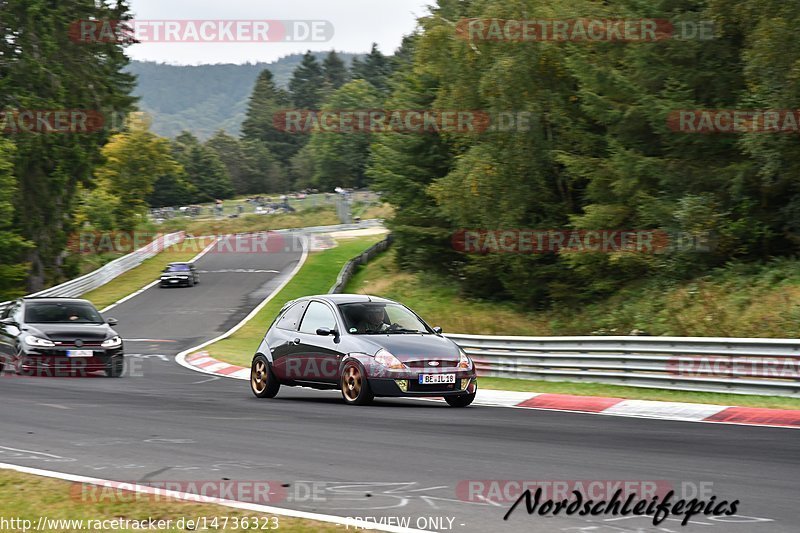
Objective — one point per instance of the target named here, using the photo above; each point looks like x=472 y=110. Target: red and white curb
x=687 y=412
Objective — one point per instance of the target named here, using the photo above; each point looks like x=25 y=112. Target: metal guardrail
x=707 y=364
x=365 y=257
x=110 y=270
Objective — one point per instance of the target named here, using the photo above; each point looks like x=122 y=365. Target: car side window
x=291 y=317
x=318 y=316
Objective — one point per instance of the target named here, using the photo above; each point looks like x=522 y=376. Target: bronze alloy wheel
x=258 y=378
x=262 y=380
x=355 y=388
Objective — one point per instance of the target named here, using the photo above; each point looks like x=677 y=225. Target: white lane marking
x=181 y=357
x=239 y=271
x=265 y=509
x=670 y=410
x=501 y=397
x=55 y=406
x=148 y=340
x=148 y=356
x=131 y=295
x=47 y=457
x=156 y=282
x=215 y=378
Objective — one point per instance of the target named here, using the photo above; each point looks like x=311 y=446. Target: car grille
x=88 y=344
x=415 y=386
x=425 y=363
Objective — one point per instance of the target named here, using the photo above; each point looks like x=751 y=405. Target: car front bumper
x=410 y=387
x=55 y=362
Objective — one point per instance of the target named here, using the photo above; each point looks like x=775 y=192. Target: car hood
x=65 y=332
x=410 y=348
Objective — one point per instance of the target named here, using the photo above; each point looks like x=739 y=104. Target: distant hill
x=205 y=98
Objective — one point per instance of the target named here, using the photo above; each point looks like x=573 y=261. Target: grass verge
x=316 y=276
x=312 y=216
x=29 y=497
x=145 y=273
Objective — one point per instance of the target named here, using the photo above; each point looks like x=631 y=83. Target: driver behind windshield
x=372 y=320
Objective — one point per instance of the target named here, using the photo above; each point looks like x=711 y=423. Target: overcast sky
x=356 y=23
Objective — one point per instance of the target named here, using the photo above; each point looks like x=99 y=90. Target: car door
x=317 y=356
x=283 y=340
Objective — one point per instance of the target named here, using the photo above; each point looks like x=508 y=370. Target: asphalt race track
x=397 y=458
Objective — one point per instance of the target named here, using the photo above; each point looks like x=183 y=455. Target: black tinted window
x=318 y=316
x=291 y=317
x=58 y=312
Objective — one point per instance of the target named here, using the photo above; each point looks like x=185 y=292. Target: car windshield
x=371 y=318
x=177 y=268
x=61 y=312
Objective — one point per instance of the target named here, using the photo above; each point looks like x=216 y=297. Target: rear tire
x=460 y=401
x=354 y=385
x=263 y=382
x=115 y=368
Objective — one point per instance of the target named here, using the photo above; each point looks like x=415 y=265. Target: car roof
x=180 y=263
x=347 y=298
x=55 y=299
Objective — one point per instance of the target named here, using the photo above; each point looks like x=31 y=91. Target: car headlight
x=113 y=342
x=33 y=340
x=388 y=360
x=464 y=362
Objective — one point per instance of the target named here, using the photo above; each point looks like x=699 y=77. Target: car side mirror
x=112 y=321
x=326 y=332
x=8 y=322
x=437 y=330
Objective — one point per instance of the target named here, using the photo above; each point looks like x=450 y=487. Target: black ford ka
x=364 y=346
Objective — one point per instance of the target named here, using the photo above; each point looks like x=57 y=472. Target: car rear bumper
x=174 y=282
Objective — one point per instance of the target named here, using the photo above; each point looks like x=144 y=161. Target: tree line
x=599 y=154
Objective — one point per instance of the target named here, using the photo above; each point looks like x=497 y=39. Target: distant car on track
x=177 y=274
x=57 y=336
x=364 y=346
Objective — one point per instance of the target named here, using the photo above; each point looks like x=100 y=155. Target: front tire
x=462 y=400
x=263 y=382
x=115 y=368
x=354 y=385
x=16 y=363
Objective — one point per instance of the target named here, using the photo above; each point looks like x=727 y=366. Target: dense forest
x=205 y=98
x=601 y=151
